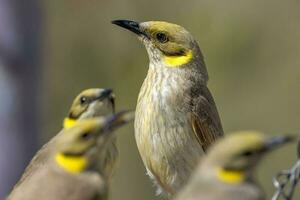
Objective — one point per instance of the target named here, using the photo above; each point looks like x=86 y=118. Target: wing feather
x=205 y=119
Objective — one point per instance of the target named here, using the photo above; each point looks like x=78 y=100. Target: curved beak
x=131 y=26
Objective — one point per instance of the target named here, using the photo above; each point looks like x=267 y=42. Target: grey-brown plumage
x=52 y=183
x=89 y=103
x=176 y=116
x=227 y=171
x=72 y=170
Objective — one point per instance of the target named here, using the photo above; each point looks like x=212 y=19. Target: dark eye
x=161 y=37
x=247 y=153
x=86 y=136
x=83 y=100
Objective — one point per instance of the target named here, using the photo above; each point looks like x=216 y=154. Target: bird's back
x=39 y=159
x=52 y=183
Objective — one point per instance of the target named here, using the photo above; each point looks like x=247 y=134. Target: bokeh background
x=51 y=50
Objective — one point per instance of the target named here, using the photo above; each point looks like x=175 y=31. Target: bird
x=227 y=172
x=72 y=170
x=89 y=103
x=176 y=116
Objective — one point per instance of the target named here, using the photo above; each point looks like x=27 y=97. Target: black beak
x=277 y=141
x=130 y=25
x=107 y=94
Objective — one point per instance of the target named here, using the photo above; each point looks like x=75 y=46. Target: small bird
x=72 y=171
x=176 y=116
x=227 y=171
x=89 y=103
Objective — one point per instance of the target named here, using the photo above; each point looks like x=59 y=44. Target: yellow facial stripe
x=72 y=164
x=178 y=61
x=68 y=123
x=231 y=177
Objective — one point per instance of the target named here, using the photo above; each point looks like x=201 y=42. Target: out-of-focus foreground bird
x=227 y=171
x=72 y=171
x=89 y=103
x=176 y=116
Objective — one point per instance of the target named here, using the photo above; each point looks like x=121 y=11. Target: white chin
x=143 y=39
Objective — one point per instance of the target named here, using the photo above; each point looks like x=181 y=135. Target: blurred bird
x=72 y=171
x=89 y=103
x=176 y=116
x=227 y=171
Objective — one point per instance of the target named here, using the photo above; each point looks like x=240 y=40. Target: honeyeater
x=227 y=171
x=89 y=103
x=72 y=170
x=176 y=116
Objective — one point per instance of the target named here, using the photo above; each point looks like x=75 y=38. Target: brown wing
x=205 y=119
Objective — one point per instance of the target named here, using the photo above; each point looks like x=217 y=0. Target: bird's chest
x=162 y=127
x=163 y=130
x=159 y=123
x=161 y=115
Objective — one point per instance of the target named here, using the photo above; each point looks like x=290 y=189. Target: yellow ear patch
x=68 y=122
x=231 y=177
x=178 y=61
x=72 y=164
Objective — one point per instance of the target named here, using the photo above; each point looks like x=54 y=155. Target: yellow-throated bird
x=176 y=116
x=89 y=103
x=72 y=170
x=227 y=171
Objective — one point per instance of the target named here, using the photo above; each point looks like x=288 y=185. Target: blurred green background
x=251 y=51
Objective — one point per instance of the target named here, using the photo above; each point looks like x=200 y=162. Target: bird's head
x=78 y=146
x=234 y=157
x=91 y=103
x=168 y=44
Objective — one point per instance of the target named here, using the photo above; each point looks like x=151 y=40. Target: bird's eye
x=86 y=136
x=161 y=37
x=247 y=153
x=83 y=100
